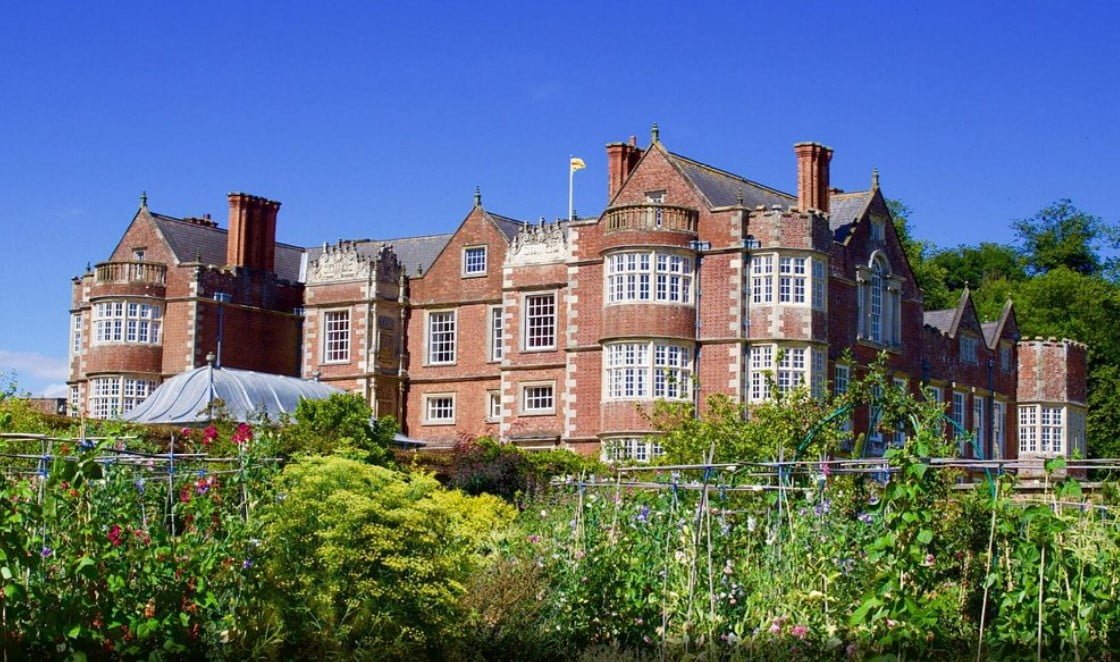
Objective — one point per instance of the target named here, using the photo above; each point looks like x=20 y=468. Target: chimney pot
x=251 y=241
x=812 y=175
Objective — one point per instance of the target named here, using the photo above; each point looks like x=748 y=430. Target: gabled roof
x=949 y=321
x=724 y=189
x=190 y=241
x=942 y=320
x=415 y=254
x=845 y=209
x=993 y=331
x=245 y=396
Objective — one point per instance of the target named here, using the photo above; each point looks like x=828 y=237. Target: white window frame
x=441 y=344
x=957 y=411
x=842 y=378
x=336 y=336
x=473 y=266
x=1028 y=429
x=1052 y=433
x=113 y=395
x=493 y=406
x=820 y=285
x=999 y=416
x=793 y=368
x=817 y=371
x=970 y=346
x=789 y=280
x=762 y=278
x=442 y=404
x=878 y=230
x=495 y=331
x=793 y=277
x=75 y=400
x=75 y=334
x=979 y=418
x=760 y=366
x=537 y=398
x=538 y=325
x=630 y=449
x=647 y=370
x=127 y=321
x=649 y=277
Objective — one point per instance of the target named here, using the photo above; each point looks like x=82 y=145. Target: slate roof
x=414 y=253
x=844 y=210
x=189 y=241
x=942 y=320
x=509 y=226
x=722 y=189
x=990 y=330
x=246 y=395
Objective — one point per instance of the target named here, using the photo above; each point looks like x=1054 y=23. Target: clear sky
x=378 y=119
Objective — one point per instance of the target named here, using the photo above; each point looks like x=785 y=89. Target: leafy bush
x=484 y=466
x=364 y=561
x=342 y=424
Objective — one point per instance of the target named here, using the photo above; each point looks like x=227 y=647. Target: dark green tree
x=1062 y=235
x=978 y=265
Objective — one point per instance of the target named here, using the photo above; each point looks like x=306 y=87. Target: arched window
x=880 y=302
x=877 y=297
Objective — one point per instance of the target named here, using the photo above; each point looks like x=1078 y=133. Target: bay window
x=798 y=280
x=636 y=276
x=127 y=321
x=644 y=370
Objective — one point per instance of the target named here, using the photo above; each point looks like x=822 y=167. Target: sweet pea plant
x=108 y=551
x=892 y=562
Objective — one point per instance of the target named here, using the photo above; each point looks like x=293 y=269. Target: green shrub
x=365 y=561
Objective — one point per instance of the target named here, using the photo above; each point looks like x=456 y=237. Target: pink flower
x=209 y=434
x=115 y=535
x=929 y=560
x=800 y=631
x=185 y=433
x=243 y=434
x=775 y=628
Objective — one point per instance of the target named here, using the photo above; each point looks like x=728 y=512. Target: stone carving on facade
x=388 y=265
x=338 y=262
x=545 y=243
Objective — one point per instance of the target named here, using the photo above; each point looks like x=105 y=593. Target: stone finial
x=874 y=178
x=477 y=197
x=143 y=199
x=655 y=133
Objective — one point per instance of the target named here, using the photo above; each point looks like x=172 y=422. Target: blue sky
x=379 y=119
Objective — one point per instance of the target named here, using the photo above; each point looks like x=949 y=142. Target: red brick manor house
x=693 y=281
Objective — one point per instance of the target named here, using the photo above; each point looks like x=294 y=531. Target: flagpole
x=571 y=178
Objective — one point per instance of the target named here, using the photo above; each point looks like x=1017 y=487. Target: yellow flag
x=577 y=164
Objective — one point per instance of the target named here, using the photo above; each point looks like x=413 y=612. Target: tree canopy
x=1063 y=282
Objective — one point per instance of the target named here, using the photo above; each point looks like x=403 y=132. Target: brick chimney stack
x=812 y=176
x=252 y=232
x=621 y=159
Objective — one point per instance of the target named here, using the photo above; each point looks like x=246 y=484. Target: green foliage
x=1062 y=235
x=342 y=424
x=97 y=556
x=978 y=265
x=365 y=561
x=484 y=466
x=731 y=432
